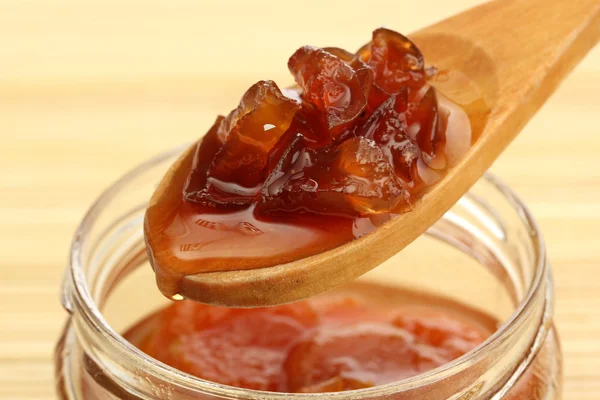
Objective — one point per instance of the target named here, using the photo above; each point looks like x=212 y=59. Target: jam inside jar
x=484 y=260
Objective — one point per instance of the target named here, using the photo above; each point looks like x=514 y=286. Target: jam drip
x=291 y=173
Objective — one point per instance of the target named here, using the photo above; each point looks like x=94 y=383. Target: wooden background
x=88 y=89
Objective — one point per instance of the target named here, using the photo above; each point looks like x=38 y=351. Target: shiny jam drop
x=291 y=173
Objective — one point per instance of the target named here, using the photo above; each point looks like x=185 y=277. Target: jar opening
x=96 y=331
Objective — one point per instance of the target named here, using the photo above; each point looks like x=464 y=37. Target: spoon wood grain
x=517 y=52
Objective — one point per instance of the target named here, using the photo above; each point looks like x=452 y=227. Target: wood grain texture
x=90 y=89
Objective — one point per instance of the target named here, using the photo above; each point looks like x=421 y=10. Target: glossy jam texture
x=331 y=343
x=373 y=109
x=230 y=161
x=291 y=173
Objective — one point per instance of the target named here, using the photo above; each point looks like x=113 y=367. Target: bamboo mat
x=90 y=89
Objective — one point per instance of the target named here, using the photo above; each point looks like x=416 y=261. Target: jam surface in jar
x=295 y=172
x=354 y=337
x=347 y=339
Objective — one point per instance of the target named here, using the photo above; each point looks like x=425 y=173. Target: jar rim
x=77 y=292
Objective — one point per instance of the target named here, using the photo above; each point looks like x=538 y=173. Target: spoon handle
x=530 y=46
x=518 y=52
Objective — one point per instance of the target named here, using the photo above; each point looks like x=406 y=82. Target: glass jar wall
x=486 y=254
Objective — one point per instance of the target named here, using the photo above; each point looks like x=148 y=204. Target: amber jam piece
x=330 y=84
x=288 y=174
x=242 y=141
x=354 y=176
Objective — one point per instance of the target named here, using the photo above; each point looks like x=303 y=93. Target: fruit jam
x=355 y=337
x=292 y=173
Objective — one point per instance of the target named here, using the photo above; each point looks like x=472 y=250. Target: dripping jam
x=291 y=173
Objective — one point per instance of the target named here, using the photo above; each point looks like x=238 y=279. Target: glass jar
x=486 y=253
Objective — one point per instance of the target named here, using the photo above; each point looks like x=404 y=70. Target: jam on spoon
x=292 y=173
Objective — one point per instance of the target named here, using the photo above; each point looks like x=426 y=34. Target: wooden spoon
x=516 y=52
